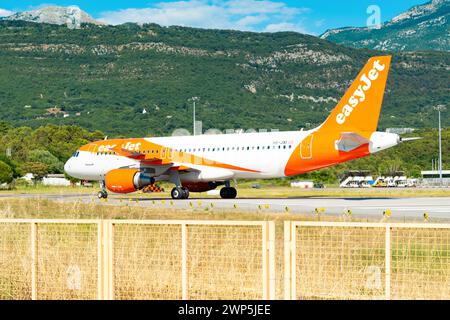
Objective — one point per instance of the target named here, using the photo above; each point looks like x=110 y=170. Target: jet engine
x=127 y=180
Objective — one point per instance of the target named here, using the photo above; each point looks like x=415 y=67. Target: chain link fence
x=334 y=260
x=134 y=259
x=91 y=259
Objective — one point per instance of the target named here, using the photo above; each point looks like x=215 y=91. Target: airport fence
x=139 y=259
x=123 y=259
x=335 y=260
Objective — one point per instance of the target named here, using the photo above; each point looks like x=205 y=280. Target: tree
x=4 y=127
x=17 y=173
x=39 y=170
x=47 y=158
x=6 y=173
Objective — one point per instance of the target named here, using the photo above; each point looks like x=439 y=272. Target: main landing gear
x=228 y=193
x=103 y=194
x=180 y=193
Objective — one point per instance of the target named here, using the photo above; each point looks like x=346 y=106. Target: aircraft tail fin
x=359 y=109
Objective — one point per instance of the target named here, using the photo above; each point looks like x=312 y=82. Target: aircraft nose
x=68 y=166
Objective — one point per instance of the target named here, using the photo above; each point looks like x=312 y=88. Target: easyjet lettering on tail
x=359 y=95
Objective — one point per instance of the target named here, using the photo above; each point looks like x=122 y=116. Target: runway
x=437 y=208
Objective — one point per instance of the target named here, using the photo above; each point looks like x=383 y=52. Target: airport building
x=400 y=130
x=432 y=178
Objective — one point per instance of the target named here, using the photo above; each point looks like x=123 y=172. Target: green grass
x=246 y=191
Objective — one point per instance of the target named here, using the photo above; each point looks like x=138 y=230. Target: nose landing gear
x=103 y=194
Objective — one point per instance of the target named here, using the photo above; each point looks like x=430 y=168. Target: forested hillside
x=423 y=27
x=103 y=77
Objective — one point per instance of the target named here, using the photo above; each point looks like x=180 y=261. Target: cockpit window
x=76 y=154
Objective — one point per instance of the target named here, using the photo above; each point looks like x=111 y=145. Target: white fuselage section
x=266 y=154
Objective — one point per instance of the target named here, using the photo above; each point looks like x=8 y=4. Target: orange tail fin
x=359 y=109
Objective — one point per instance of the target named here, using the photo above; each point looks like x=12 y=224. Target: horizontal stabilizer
x=349 y=141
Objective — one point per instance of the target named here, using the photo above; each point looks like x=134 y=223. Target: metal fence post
x=264 y=262
x=287 y=260
x=184 y=273
x=100 y=261
x=110 y=249
x=388 y=262
x=107 y=260
x=33 y=260
x=270 y=260
x=293 y=272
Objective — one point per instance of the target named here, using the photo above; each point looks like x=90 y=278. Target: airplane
x=205 y=162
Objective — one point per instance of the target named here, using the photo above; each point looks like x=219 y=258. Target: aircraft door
x=306 y=148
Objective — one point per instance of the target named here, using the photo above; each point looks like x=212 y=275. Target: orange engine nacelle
x=200 y=186
x=127 y=180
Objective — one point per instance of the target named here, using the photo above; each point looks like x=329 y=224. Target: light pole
x=194 y=100
x=440 y=108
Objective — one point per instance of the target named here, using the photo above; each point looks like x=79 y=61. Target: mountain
x=423 y=27
x=71 y=16
x=103 y=77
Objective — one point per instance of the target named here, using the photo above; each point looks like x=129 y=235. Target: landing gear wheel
x=185 y=193
x=102 y=195
x=179 y=193
x=228 y=193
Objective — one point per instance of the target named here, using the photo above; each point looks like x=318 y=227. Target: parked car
x=318 y=185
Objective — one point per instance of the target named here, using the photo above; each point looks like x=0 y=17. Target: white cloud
x=248 y=15
x=5 y=13
x=254 y=6
x=285 y=26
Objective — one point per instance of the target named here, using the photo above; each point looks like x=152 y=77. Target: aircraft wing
x=150 y=161
x=177 y=161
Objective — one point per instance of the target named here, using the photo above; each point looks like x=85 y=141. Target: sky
x=305 y=16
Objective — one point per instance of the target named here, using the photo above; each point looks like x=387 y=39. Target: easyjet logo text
x=360 y=93
x=126 y=146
